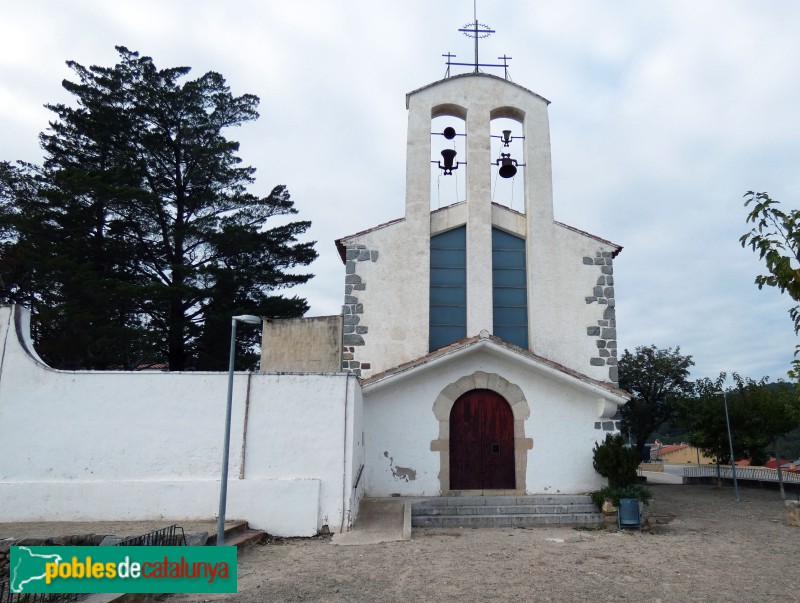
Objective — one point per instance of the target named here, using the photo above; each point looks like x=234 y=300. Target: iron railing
x=168 y=536
x=745 y=473
x=358 y=478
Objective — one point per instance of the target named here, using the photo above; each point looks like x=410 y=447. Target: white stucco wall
x=559 y=283
x=354 y=476
x=395 y=298
x=400 y=425
x=145 y=445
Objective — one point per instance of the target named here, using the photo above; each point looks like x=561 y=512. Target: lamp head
x=248 y=318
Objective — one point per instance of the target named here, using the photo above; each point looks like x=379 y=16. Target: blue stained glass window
x=448 y=288
x=509 y=288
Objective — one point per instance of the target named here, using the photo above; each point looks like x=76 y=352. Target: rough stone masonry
x=353 y=309
x=606 y=328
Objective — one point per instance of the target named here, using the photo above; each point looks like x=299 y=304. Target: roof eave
x=497 y=346
x=616 y=249
x=340 y=242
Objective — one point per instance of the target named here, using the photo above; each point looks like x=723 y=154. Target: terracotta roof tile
x=469 y=341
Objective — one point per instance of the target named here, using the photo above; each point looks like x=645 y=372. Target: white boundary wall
x=113 y=445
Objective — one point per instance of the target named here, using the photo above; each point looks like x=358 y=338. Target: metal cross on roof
x=449 y=56
x=477 y=31
x=505 y=60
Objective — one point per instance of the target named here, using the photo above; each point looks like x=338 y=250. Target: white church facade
x=485 y=337
x=476 y=354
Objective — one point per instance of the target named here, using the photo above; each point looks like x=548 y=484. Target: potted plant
x=618 y=462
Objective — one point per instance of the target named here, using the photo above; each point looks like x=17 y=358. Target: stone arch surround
x=519 y=408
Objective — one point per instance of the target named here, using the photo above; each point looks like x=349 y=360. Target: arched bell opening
x=508 y=161
x=448 y=157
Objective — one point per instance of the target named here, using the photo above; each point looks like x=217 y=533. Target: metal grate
x=169 y=536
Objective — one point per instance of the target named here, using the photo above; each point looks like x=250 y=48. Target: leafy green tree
x=158 y=239
x=775 y=407
x=754 y=418
x=655 y=378
x=775 y=236
x=789 y=444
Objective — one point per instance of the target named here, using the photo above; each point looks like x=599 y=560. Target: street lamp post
x=223 y=486
x=730 y=442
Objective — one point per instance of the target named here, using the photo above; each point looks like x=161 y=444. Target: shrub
x=614 y=494
x=615 y=461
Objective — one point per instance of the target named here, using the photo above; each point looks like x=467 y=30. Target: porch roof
x=494 y=345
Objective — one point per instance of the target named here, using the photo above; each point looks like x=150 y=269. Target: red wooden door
x=481 y=442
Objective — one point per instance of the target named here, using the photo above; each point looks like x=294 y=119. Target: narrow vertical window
x=448 y=291
x=509 y=288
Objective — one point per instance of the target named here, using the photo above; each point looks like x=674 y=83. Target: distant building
x=785 y=464
x=679 y=454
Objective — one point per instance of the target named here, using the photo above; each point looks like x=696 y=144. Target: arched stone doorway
x=481 y=442
x=515 y=400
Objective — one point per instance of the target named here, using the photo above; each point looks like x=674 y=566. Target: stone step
x=246 y=538
x=540 y=509
x=534 y=499
x=232 y=529
x=506 y=511
x=516 y=521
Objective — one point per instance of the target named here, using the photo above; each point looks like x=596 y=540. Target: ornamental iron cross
x=477 y=31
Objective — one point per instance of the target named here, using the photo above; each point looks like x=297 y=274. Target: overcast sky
x=664 y=113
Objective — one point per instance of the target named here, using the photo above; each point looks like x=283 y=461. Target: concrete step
x=506 y=511
x=246 y=538
x=516 y=521
x=533 y=499
x=233 y=531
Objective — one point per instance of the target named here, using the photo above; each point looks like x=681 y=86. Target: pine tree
x=143 y=238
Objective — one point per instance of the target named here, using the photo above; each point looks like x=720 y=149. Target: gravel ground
x=714 y=550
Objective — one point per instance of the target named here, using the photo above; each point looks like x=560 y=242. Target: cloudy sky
x=664 y=113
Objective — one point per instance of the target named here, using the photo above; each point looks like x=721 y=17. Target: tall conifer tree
x=143 y=238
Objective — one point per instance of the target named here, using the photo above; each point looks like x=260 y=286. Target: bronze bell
x=449 y=165
x=508 y=166
x=506 y=137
